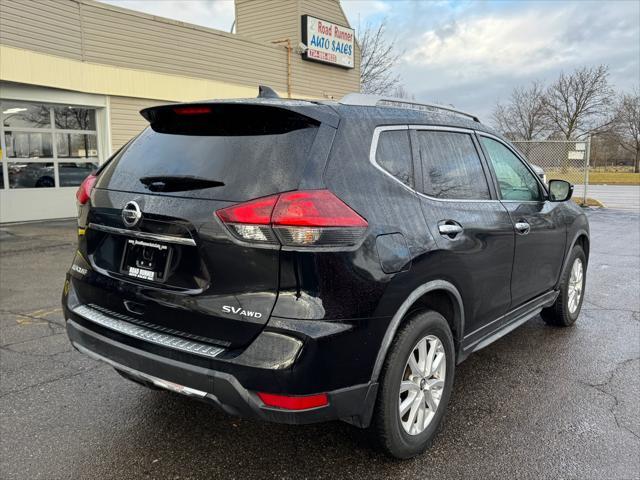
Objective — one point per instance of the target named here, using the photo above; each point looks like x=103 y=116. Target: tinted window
x=393 y=153
x=515 y=180
x=451 y=166
x=250 y=166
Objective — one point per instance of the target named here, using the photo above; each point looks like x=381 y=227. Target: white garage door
x=47 y=150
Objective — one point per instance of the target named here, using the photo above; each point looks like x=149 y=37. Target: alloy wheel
x=575 y=285
x=422 y=384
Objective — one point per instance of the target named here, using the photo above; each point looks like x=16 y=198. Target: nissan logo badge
x=131 y=214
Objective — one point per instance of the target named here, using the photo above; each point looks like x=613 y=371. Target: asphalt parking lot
x=539 y=403
x=618 y=197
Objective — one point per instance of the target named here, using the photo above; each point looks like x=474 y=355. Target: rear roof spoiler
x=250 y=107
x=246 y=117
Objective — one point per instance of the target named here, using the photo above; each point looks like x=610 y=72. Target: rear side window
x=393 y=154
x=234 y=160
x=451 y=166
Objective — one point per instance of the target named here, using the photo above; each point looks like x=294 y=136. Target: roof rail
x=365 y=100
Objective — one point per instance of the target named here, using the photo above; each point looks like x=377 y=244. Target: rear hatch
x=177 y=267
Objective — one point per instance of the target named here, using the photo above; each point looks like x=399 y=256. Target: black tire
x=386 y=426
x=559 y=314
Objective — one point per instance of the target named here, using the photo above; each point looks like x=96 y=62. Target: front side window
x=451 y=166
x=515 y=180
x=393 y=154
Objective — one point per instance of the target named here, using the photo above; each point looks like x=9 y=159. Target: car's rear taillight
x=308 y=218
x=84 y=190
x=250 y=221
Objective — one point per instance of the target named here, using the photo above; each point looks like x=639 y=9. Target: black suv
x=300 y=261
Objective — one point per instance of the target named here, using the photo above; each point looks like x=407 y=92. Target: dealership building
x=74 y=75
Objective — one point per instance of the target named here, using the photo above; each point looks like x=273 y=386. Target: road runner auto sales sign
x=327 y=42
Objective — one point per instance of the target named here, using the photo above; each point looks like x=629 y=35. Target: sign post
x=587 y=160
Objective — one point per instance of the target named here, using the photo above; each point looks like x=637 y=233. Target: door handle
x=522 y=227
x=449 y=229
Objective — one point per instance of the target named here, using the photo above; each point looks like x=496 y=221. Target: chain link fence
x=560 y=159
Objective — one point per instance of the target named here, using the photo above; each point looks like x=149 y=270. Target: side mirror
x=560 y=190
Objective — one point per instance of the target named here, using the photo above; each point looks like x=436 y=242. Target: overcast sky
x=472 y=53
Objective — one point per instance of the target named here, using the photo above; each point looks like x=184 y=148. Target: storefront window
x=77 y=145
x=45 y=146
x=28 y=145
x=74 y=118
x=72 y=174
x=31 y=175
x=25 y=115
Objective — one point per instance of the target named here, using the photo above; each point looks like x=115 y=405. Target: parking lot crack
x=52 y=334
x=600 y=307
x=38 y=248
x=7 y=348
x=603 y=388
x=50 y=381
x=39 y=318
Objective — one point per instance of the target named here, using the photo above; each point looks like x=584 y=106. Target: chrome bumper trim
x=121 y=325
x=145 y=235
x=158 y=382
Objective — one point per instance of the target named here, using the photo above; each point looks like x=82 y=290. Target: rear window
x=263 y=155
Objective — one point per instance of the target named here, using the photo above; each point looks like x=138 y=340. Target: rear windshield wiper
x=178 y=183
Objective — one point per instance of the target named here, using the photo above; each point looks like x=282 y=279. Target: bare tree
x=378 y=58
x=522 y=117
x=606 y=150
x=578 y=102
x=626 y=124
x=401 y=92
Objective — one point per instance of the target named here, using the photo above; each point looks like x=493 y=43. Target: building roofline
x=170 y=21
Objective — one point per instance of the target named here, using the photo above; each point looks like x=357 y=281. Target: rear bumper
x=220 y=388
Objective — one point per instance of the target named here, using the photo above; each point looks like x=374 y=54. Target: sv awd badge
x=240 y=311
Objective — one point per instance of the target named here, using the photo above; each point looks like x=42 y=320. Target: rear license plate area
x=146 y=260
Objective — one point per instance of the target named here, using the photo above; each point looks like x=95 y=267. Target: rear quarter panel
x=352 y=284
